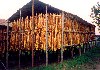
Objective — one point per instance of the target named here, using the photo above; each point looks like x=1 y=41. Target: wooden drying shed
x=76 y=30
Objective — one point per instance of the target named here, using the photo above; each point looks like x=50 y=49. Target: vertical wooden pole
x=33 y=27
x=20 y=39
x=72 y=49
x=46 y=38
x=7 y=44
x=80 y=50
x=84 y=47
x=62 y=36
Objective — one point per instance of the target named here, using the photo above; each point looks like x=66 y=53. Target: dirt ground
x=98 y=65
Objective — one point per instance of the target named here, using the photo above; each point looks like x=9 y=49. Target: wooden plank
x=46 y=37
x=62 y=36
x=33 y=27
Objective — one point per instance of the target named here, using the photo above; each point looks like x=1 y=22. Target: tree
x=95 y=14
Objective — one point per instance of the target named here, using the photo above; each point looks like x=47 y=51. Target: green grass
x=77 y=63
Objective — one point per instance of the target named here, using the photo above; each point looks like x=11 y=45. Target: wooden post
x=33 y=27
x=20 y=39
x=72 y=49
x=84 y=47
x=90 y=44
x=80 y=50
x=7 y=44
x=72 y=53
x=62 y=36
x=46 y=38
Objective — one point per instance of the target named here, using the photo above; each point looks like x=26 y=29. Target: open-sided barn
x=76 y=30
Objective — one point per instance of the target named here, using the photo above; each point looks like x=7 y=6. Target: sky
x=82 y=8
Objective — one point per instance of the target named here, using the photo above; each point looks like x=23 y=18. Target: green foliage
x=96 y=14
